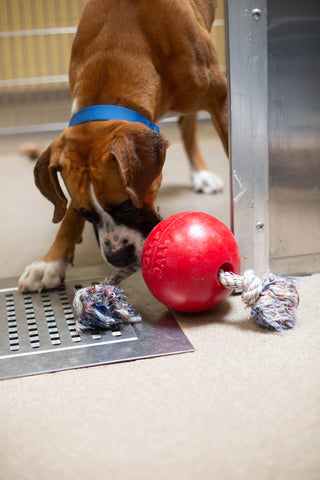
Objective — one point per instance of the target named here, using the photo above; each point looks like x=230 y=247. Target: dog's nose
x=123 y=257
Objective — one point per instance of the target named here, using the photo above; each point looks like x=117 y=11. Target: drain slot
x=12 y=323
x=68 y=315
x=50 y=319
x=31 y=321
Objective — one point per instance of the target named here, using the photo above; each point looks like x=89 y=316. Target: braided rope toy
x=273 y=299
x=102 y=306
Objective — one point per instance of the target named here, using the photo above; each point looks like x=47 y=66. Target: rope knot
x=273 y=300
x=102 y=306
x=252 y=288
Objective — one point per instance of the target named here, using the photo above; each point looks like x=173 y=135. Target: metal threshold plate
x=38 y=335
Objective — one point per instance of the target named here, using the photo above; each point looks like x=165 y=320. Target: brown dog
x=149 y=58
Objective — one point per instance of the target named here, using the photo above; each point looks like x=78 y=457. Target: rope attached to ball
x=273 y=299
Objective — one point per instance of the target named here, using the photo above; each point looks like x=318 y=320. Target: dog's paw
x=41 y=275
x=205 y=181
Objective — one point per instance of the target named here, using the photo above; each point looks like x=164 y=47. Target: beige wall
x=37 y=60
x=42 y=54
x=218 y=34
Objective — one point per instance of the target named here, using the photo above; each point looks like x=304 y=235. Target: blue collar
x=110 y=112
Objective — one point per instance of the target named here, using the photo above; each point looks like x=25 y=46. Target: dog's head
x=112 y=172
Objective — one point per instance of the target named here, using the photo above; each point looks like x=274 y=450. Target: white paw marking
x=41 y=275
x=206 y=182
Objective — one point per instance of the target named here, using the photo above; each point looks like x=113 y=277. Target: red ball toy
x=181 y=259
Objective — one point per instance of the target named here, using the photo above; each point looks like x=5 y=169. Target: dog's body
x=149 y=58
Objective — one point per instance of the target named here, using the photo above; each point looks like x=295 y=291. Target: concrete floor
x=245 y=405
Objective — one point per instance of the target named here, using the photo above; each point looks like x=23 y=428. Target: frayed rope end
x=102 y=306
x=273 y=299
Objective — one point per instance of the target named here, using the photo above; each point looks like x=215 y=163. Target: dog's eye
x=126 y=209
x=88 y=215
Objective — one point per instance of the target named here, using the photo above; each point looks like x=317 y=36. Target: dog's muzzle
x=122 y=257
x=121 y=245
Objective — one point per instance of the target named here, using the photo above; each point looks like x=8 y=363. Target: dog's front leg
x=50 y=271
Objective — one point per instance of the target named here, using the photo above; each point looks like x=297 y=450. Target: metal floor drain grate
x=38 y=334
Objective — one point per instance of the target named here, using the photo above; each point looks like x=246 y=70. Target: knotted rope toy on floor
x=102 y=306
x=273 y=300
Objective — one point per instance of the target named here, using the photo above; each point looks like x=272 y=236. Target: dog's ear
x=46 y=179
x=140 y=158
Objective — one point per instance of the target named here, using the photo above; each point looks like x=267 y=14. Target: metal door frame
x=247 y=69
